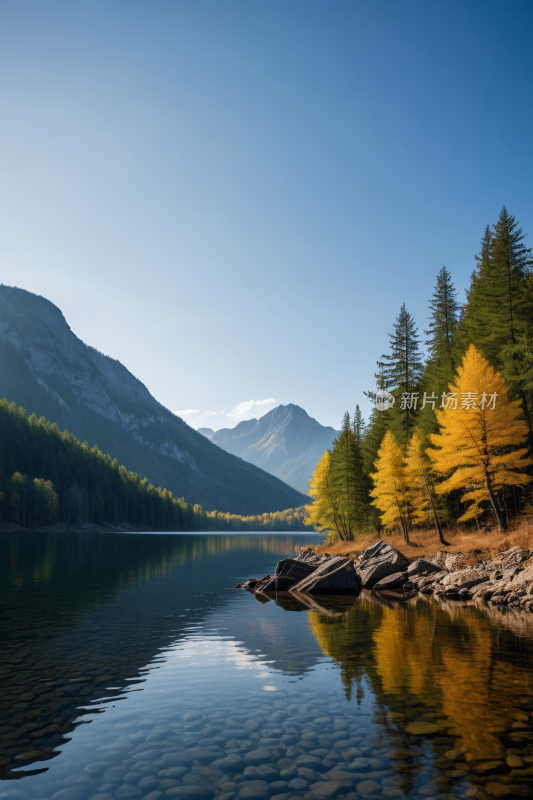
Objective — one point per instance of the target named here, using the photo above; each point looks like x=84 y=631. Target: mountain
x=286 y=442
x=48 y=370
x=207 y=432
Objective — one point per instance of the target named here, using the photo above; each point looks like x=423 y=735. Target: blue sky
x=235 y=198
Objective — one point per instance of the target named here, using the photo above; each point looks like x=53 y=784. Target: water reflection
x=184 y=680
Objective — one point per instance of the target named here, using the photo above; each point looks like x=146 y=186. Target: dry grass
x=474 y=544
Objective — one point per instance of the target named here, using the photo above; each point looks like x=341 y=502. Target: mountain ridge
x=286 y=442
x=46 y=368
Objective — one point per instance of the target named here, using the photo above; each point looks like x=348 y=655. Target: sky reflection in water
x=143 y=637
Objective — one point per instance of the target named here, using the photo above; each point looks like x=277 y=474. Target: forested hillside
x=46 y=369
x=450 y=438
x=48 y=476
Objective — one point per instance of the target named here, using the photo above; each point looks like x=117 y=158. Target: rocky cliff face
x=286 y=442
x=48 y=370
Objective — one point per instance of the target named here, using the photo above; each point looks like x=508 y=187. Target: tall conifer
x=347 y=481
x=401 y=371
x=440 y=368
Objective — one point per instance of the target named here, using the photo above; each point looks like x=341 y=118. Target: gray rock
x=379 y=561
x=392 y=582
x=260 y=756
x=72 y=793
x=307 y=761
x=150 y=782
x=336 y=574
x=294 y=568
x=178 y=759
x=298 y=784
x=127 y=790
x=202 y=754
x=114 y=774
x=278 y=786
x=421 y=566
x=96 y=768
x=325 y=789
x=175 y=772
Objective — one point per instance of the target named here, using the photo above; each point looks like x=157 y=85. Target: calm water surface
x=129 y=668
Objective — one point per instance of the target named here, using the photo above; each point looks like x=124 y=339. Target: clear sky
x=234 y=198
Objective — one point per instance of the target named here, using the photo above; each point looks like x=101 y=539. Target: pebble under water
x=129 y=668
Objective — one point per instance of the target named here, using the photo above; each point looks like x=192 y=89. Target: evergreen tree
x=444 y=321
x=401 y=372
x=347 y=482
x=474 y=325
x=358 y=427
x=440 y=369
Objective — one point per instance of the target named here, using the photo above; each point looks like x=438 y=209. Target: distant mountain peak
x=286 y=442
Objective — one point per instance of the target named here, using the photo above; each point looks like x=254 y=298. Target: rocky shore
x=503 y=580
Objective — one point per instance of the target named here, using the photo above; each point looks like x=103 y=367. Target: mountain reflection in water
x=151 y=620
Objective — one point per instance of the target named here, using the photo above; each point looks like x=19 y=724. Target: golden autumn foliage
x=391 y=494
x=480 y=444
x=322 y=515
x=420 y=482
x=416 y=469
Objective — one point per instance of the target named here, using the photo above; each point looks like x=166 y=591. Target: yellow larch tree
x=479 y=448
x=390 y=492
x=322 y=513
x=420 y=482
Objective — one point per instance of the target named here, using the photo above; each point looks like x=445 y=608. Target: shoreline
x=503 y=580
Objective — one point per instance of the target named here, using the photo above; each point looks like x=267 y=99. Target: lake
x=130 y=668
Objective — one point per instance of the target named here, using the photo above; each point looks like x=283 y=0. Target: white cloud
x=187 y=412
x=249 y=409
x=210 y=413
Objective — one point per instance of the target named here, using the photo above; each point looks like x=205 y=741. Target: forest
x=47 y=476
x=450 y=437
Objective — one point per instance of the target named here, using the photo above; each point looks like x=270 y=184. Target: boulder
x=294 y=568
x=310 y=557
x=392 y=582
x=272 y=584
x=379 y=561
x=335 y=575
x=421 y=566
x=467 y=578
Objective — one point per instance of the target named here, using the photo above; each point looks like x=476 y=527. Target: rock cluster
x=307 y=574
x=503 y=580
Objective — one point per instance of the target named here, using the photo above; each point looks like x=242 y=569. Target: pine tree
x=480 y=441
x=510 y=262
x=358 y=426
x=391 y=493
x=475 y=325
x=440 y=369
x=401 y=371
x=347 y=482
x=420 y=482
x=443 y=321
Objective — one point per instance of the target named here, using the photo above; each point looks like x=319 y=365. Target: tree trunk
x=442 y=540
x=495 y=507
x=405 y=531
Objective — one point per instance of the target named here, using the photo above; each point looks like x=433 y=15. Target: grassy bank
x=424 y=542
